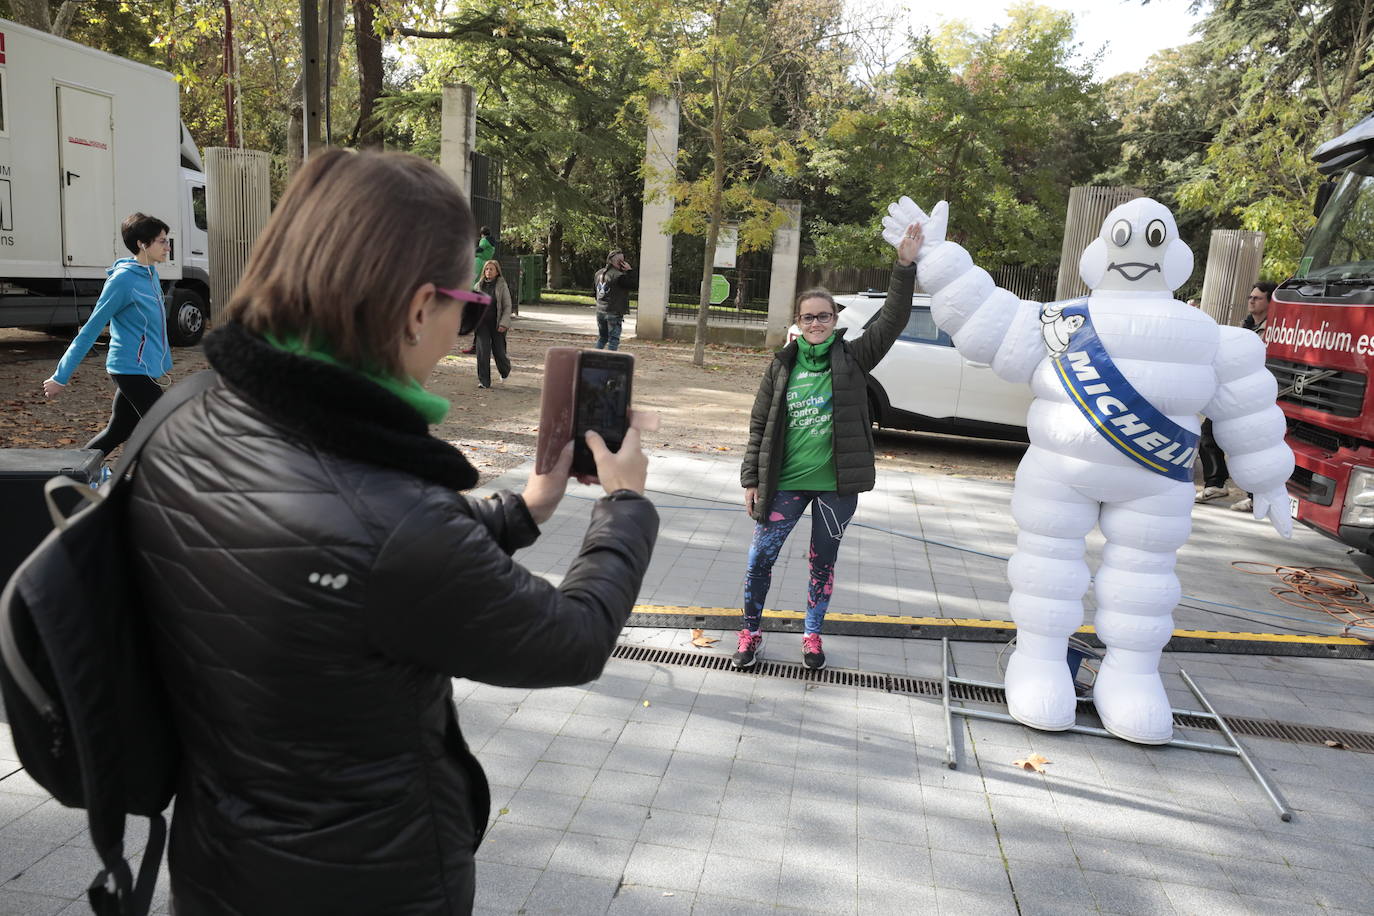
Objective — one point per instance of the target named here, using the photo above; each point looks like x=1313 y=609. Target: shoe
x=750 y=642
x=480 y=385
x=469 y=351
x=812 y=656
x=1245 y=505
x=1208 y=494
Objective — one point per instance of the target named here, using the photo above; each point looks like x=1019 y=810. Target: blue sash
x=1101 y=393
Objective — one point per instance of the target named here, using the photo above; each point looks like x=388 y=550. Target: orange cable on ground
x=1320 y=588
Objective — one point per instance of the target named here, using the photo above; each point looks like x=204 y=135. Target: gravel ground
x=703 y=408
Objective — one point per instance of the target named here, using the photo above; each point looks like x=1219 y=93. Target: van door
x=86 y=162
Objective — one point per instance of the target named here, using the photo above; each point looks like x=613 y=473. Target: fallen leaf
x=701 y=641
x=646 y=702
x=1332 y=742
x=504 y=811
x=1031 y=762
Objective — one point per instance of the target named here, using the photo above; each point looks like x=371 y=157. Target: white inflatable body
x=1072 y=478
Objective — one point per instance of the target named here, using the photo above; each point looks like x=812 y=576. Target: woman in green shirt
x=811 y=444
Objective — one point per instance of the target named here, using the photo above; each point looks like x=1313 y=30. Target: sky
x=1131 y=32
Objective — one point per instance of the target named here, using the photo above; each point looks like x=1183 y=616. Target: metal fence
x=843 y=280
x=1034 y=283
x=486 y=195
x=746 y=304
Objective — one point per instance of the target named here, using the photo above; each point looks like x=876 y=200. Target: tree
x=724 y=61
x=1306 y=76
x=1000 y=124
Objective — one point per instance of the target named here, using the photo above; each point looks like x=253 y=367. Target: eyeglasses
x=823 y=318
x=463 y=295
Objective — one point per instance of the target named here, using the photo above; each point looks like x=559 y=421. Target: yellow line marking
x=978 y=623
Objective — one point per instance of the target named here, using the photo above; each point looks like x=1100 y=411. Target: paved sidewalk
x=670 y=789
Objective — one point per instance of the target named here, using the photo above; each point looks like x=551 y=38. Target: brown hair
x=818 y=292
x=353 y=237
x=495 y=263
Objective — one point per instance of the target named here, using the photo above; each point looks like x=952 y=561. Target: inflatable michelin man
x=1119 y=379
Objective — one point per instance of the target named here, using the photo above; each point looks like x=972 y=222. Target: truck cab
x=1320 y=344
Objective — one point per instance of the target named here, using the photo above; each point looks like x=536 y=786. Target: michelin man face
x=1137 y=250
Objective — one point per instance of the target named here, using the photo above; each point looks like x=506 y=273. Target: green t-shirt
x=809 y=446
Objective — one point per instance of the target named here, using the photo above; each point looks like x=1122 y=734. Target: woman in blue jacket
x=131 y=304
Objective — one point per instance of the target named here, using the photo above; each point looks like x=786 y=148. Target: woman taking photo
x=315 y=577
x=492 y=323
x=811 y=444
x=131 y=304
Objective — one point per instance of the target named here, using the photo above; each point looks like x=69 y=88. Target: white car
x=924 y=384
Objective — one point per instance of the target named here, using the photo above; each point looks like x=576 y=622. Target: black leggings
x=135 y=395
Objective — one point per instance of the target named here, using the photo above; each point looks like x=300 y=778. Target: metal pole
x=944 y=694
x=1284 y=814
x=310 y=90
x=1098 y=732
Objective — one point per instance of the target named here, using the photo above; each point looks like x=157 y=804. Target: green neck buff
x=427 y=404
x=814 y=357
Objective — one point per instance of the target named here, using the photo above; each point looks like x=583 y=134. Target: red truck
x=1320 y=341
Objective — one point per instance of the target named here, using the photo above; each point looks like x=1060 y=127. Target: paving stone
x=815 y=889
x=634 y=899
x=596 y=856
x=630 y=759
x=1127 y=895
x=518 y=844
x=691 y=797
x=609 y=819
x=743 y=839
x=962 y=834
x=18 y=903
x=896 y=862
x=627 y=788
x=881 y=897
x=1205 y=901
x=579 y=751
x=966 y=871
x=709 y=905
x=664 y=827
x=562 y=778
x=66 y=871
x=593 y=728
x=665 y=866
x=956 y=902
x=503 y=887
x=559 y=892
x=753 y=880
x=539 y=808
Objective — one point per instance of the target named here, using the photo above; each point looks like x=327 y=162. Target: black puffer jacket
x=315 y=579
x=849 y=368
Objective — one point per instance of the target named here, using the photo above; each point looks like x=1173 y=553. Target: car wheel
x=186 y=318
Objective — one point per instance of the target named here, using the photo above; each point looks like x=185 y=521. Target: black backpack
x=90 y=717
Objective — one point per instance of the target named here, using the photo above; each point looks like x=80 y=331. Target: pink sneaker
x=750 y=641
x=812 y=656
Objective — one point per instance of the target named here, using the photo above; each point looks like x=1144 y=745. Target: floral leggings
x=829 y=517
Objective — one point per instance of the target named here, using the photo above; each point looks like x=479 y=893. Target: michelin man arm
x=989 y=324
x=1249 y=426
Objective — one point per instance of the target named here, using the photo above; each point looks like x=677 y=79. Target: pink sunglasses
x=463 y=295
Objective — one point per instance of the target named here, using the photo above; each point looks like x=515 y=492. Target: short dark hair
x=354 y=236
x=1267 y=288
x=484 y=231
x=140 y=227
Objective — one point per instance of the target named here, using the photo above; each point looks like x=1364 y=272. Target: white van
x=86 y=138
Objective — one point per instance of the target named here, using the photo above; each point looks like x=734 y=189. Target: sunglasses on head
x=464 y=295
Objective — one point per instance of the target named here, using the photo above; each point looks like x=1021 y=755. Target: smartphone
x=601 y=402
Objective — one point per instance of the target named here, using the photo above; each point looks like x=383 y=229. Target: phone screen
x=602 y=404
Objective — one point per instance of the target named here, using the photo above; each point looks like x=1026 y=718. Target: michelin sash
x=1123 y=417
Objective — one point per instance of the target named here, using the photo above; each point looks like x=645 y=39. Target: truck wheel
x=186 y=318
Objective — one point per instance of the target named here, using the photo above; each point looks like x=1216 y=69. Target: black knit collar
x=338 y=411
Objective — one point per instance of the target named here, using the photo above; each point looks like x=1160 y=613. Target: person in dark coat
x=315 y=577
x=811 y=444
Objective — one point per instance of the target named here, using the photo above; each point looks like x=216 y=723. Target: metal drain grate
x=930 y=687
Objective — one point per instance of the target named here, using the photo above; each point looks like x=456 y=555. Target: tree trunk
x=32 y=13
x=368 y=131
x=708 y=258
x=553 y=257
x=295 y=125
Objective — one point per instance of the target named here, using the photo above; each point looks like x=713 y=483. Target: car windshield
x=1342 y=244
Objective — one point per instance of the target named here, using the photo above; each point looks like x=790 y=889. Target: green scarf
x=814 y=357
x=426 y=403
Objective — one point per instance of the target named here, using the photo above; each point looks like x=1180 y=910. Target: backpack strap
x=165 y=406
x=114 y=893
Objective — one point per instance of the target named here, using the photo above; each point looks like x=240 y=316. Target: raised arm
x=445 y=594
x=1249 y=426
x=989 y=324
x=870 y=349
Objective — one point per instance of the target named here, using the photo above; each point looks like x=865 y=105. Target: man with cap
x=613 y=285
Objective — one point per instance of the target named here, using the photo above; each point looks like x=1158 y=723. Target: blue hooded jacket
x=131 y=304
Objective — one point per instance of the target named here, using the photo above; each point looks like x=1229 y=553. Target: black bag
x=89 y=714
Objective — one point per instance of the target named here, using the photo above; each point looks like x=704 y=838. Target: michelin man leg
x=1137 y=590
x=1048 y=576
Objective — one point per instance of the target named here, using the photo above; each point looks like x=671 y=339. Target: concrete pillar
x=1233 y=268
x=782 y=283
x=1088 y=207
x=655 y=245
x=458 y=135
